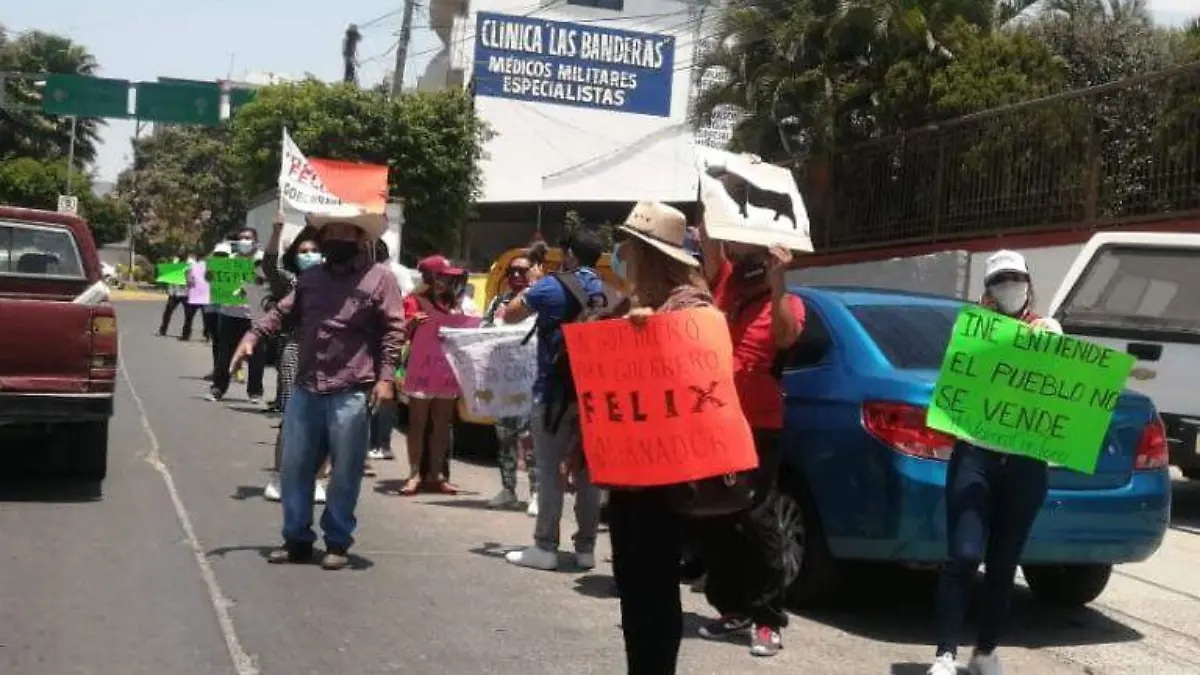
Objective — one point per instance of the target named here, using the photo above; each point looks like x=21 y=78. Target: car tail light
x=102 y=362
x=902 y=427
x=1152 y=451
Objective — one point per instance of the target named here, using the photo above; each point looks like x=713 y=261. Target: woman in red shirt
x=437 y=294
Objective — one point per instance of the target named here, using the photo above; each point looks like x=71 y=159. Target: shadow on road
x=357 y=562
x=480 y=504
x=596 y=586
x=49 y=490
x=1185 y=505
x=897 y=606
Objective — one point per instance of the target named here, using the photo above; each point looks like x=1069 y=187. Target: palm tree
x=32 y=134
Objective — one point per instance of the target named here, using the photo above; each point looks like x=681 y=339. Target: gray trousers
x=550 y=449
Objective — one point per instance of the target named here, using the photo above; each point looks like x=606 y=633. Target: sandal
x=444 y=487
x=411 y=487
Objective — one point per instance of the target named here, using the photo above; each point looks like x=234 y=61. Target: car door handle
x=1145 y=351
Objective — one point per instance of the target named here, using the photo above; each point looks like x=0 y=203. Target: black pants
x=189 y=314
x=647 y=541
x=230 y=331
x=992 y=500
x=747 y=553
x=212 y=331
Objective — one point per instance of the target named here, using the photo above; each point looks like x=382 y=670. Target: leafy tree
x=183 y=189
x=430 y=142
x=35 y=184
x=26 y=133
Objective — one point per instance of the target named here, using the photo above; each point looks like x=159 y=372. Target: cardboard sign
x=763 y=207
x=495 y=368
x=171 y=274
x=1014 y=388
x=657 y=405
x=226 y=278
x=428 y=371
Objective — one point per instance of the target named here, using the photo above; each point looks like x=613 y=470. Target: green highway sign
x=177 y=102
x=85 y=96
x=239 y=98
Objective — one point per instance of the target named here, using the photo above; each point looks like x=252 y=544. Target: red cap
x=439 y=265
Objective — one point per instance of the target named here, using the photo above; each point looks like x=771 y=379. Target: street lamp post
x=71 y=155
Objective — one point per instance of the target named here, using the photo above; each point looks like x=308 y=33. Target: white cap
x=1005 y=261
x=223 y=247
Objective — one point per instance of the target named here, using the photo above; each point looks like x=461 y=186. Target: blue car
x=864 y=477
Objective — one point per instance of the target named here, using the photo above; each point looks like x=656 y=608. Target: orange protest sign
x=657 y=404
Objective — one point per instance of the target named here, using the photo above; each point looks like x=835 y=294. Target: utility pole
x=71 y=154
x=402 y=47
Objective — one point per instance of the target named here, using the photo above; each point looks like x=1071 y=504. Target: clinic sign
x=576 y=64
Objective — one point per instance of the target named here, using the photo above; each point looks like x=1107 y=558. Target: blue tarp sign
x=577 y=64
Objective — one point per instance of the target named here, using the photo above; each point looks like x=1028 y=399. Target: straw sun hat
x=661 y=226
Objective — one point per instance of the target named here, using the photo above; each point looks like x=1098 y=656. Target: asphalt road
x=164 y=573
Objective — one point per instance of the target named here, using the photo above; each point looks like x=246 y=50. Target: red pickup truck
x=58 y=339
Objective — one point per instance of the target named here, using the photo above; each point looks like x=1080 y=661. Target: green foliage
x=572 y=221
x=430 y=142
x=184 y=190
x=29 y=183
x=26 y=133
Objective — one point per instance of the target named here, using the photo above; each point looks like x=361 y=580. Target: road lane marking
x=243 y=663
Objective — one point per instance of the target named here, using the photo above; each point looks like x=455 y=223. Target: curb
x=136 y=295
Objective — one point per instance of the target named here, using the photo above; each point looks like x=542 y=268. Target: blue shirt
x=550 y=299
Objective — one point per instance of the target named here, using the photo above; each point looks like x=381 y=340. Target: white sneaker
x=375 y=453
x=585 y=561
x=534 y=557
x=319 y=493
x=943 y=665
x=531 y=510
x=985 y=664
x=272 y=493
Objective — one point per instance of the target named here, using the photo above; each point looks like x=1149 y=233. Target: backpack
x=581 y=308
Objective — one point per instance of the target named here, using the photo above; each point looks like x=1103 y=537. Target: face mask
x=244 y=246
x=1010 y=296
x=308 y=259
x=338 y=251
x=619 y=266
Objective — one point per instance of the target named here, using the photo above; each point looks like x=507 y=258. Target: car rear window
x=912 y=337
x=1148 y=287
x=30 y=250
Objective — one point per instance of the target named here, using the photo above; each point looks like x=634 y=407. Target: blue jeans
x=315 y=426
x=992 y=500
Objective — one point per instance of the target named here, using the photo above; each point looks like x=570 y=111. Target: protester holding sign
x=513 y=433
x=750 y=559
x=431 y=399
x=992 y=499
x=235 y=321
x=646 y=531
x=350 y=326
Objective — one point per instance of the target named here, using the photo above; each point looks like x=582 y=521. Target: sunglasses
x=513 y=271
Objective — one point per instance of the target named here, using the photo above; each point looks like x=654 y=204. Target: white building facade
x=588 y=101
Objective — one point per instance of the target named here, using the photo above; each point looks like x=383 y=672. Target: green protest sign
x=173 y=274
x=1018 y=389
x=226 y=276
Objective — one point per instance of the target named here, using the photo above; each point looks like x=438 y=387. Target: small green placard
x=226 y=276
x=172 y=274
x=1018 y=389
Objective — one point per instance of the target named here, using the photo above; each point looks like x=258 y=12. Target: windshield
x=1152 y=288
x=29 y=250
x=912 y=337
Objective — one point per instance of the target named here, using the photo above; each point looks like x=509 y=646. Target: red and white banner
x=316 y=185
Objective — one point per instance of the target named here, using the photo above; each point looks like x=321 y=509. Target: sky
x=218 y=39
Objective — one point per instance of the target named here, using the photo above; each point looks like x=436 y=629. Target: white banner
x=764 y=207
x=494 y=369
x=300 y=186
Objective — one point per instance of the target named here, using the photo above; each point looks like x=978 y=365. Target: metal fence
x=1122 y=152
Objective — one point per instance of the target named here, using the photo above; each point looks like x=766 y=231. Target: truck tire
x=1067 y=585
x=90 y=460
x=819 y=579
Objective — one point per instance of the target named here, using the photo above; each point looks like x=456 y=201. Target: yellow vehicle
x=474 y=434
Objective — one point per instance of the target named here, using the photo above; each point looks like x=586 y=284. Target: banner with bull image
x=495 y=367
x=751 y=202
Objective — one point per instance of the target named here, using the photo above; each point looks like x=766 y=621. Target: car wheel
x=90 y=455
x=817 y=578
x=1067 y=585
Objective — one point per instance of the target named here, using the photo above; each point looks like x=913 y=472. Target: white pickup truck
x=1139 y=292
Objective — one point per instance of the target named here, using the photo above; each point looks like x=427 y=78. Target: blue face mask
x=616 y=263
x=308 y=259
